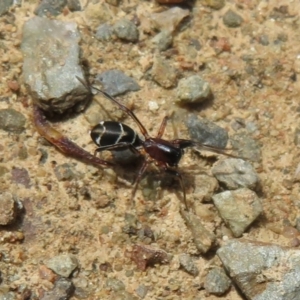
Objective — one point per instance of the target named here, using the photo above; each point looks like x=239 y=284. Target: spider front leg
x=139 y=177
x=179 y=176
x=162 y=127
x=63 y=143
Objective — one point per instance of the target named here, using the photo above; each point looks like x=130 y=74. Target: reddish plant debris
x=145 y=257
x=13 y=85
x=105 y=267
x=47 y=274
x=220 y=44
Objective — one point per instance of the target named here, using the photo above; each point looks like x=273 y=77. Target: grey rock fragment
x=126 y=30
x=163 y=40
x=74 y=5
x=247 y=147
x=104 y=32
x=5 y=5
x=51 y=64
x=203 y=239
x=63 y=289
x=6 y=295
x=297 y=136
x=188 y=264
x=205 y=187
x=64 y=172
x=50 y=7
x=12 y=120
x=115 y=82
x=232 y=19
x=142 y=291
x=169 y=19
x=206 y=132
x=235 y=173
x=63 y=264
x=238 y=209
x=163 y=73
x=115 y=284
x=215 y=4
x=8 y=208
x=124 y=295
x=262 y=271
x=217 y=282
x=20 y=176
x=192 y=90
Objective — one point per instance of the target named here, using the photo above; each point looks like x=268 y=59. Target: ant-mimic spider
x=112 y=135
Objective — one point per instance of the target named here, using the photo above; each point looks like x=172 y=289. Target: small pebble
x=206 y=132
x=12 y=120
x=290 y=232
x=126 y=30
x=164 y=73
x=248 y=148
x=297 y=136
x=8 y=208
x=238 y=209
x=214 y=4
x=47 y=274
x=64 y=172
x=20 y=176
x=141 y=291
x=235 y=173
x=115 y=284
x=168 y=19
x=63 y=289
x=63 y=264
x=5 y=6
x=104 y=32
x=74 y=5
x=3 y=170
x=115 y=82
x=192 y=90
x=50 y=7
x=204 y=240
x=263 y=40
x=163 y=40
x=232 y=19
x=188 y=264
x=217 y=282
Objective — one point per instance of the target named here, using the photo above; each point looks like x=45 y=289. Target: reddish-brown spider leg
x=138 y=178
x=162 y=127
x=179 y=176
x=61 y=142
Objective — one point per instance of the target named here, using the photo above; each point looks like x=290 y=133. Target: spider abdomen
x=109 y=133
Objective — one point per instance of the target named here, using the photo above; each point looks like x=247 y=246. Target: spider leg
x=139 y=177
x=179 y=176
x=121 y=106
x=117 y=146
x=162 y=127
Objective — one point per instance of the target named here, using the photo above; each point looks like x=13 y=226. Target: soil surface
x=252 y=71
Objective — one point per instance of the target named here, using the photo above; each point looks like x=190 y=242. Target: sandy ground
x=257 y=83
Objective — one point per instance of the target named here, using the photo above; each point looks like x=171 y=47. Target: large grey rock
x=51 y=64
x=262 y=271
